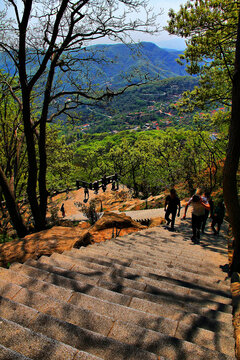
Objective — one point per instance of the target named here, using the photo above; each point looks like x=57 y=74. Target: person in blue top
x=172 y=203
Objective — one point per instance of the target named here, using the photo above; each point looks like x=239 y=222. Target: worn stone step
x=191 y=251
x=71 y=284
x=219 y=283
x=110 y=261
x=190 y=254
x=158 y=261
x=74 y=336
x=129 y=255
x=141 y=271
x=164 y=290
x=24 y=315
x=208 y=319
x=175 y=239
x=164 y=244
x=138 y=289
x=173 y=348
x=61 y=330
x=37 y=346
x=150 y=251
x=112 y=310
x=7 y=354
x=48 y=305
x=30 y=296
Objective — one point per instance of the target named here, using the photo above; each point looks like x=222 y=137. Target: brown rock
x=56 y=239
x=59 y=238
x=157 y=221
x=110 y=220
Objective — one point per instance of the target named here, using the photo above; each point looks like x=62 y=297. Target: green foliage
x=60 y=174
x=90 y=211
x=12 y=144
x=149 y=162
x=210 y=27
x=5 y=238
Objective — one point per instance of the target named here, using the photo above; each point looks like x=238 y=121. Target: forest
x=156 y=128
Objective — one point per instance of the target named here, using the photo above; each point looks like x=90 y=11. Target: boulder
x=46 y=242
x=121 y=221
x=61 y=238
x=157 y=222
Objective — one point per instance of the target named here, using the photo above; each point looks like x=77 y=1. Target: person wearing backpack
x=199 y=204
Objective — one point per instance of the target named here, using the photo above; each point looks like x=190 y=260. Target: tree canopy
x=43 y=44
x=210 y=30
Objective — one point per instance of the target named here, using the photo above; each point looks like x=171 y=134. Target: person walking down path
x=172 y=203
x=86 y=194
x=199 y=204
x=62 y=209
x=207 y=196
x=218 y=216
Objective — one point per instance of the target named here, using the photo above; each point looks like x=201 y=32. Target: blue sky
x=164 y=39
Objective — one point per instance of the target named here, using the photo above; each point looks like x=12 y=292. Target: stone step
x=54 y=307
x=181 y=275
x=161 y=265
x=193 y=297
x=190 y=254
x=128 y=256
x=80 y=338
x=34 y=345
x=163 y=243
x=171 y=241
x=42 y=326
x=161 y=232
x=77 y=316
x=171 y=347
x=71 y=284
x=151 y=251
x=117 y=312
x=128 y=262
x=138 y=273
x=174 y=238
x=7 y=354
x=158 y=261
x=16 y=312
x=138 y=289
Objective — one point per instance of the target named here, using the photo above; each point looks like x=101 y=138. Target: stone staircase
x=152 y=295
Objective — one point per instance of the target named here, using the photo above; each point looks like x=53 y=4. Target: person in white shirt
x=199 y=204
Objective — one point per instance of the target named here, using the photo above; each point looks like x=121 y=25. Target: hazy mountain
x=109 y=64
x=121 y=59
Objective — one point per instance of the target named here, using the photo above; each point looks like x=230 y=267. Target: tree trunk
x=12 y=206
x=230 y=189
x=39 y=222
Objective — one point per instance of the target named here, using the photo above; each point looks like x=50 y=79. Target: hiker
x=207 y=197
x=96 y=187
x=199 y=204
x=218 y=216
x=86 y=193
x=104 y=183
x=172 y=203
x=62 y=210
x=113 y=185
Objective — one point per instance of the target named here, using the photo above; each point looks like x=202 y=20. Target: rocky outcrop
x=60 y=238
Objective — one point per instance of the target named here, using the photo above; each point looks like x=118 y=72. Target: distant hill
x=110 y=64
x=122 y=60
